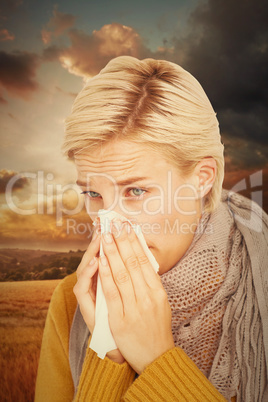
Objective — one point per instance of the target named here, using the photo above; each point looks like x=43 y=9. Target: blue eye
x=92 y=194
x=137 y=191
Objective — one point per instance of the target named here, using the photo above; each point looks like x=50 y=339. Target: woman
x=146 y=144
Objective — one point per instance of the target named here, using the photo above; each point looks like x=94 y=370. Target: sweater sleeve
x=172 y=377
x=54 y=380
x=103 y=380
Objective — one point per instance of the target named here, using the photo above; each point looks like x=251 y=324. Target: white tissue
x=102 y=340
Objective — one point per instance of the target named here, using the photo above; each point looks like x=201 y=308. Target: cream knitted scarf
x=218 y=294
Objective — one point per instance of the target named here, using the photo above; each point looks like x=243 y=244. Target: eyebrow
x=125 y=182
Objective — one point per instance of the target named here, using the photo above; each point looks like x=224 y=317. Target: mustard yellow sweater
x=171 y=377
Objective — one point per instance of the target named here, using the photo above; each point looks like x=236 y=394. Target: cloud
x=88 y=54
x=8 y=7
x=226 y=49
x=71 y=94
x=240 y=153
x=2 y=100
x=248 y=125
x=5 y=35
x=56 y=26
x=18 y=73
x=52 y=226
x=43 y=233
x=6 y=175
x=51 y=53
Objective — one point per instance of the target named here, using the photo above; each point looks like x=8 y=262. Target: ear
x=205 y=172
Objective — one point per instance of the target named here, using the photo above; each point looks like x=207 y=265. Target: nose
x=119 y=208
x=115 y=207
x=109 y=203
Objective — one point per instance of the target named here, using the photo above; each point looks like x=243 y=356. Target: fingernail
x=108 y=238
x=92 y=262
x=103 y=260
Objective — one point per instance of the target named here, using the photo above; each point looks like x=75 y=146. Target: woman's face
x=140 y=184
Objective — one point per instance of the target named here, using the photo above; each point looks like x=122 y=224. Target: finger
x=151 y=277
x=83 y=296
x=92 y=251
x=129 y=258
x=93 y=286
x=119 y=272
x=84 y=279
x=110 y=290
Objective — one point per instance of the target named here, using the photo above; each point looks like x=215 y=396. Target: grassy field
x=23 y=308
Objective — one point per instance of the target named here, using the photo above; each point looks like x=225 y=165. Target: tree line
x=51 y=267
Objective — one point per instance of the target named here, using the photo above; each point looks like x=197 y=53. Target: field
x=23 y=308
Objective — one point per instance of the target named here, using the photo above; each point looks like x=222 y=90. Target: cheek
x=154 y=206
x=185 y=202
x=155 y=228
x=163 y=231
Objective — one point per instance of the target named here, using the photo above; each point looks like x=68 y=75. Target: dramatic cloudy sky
x=47 y=51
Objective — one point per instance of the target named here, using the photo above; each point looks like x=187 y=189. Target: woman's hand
x=139 y=312
x=86 y=286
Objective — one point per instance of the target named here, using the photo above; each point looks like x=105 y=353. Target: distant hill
x=19 y=264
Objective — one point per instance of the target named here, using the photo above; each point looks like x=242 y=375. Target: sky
x=49 y=49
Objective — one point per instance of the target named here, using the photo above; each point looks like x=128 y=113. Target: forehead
x=120 y=159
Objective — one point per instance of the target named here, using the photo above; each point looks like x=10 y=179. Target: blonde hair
x=153 y=102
